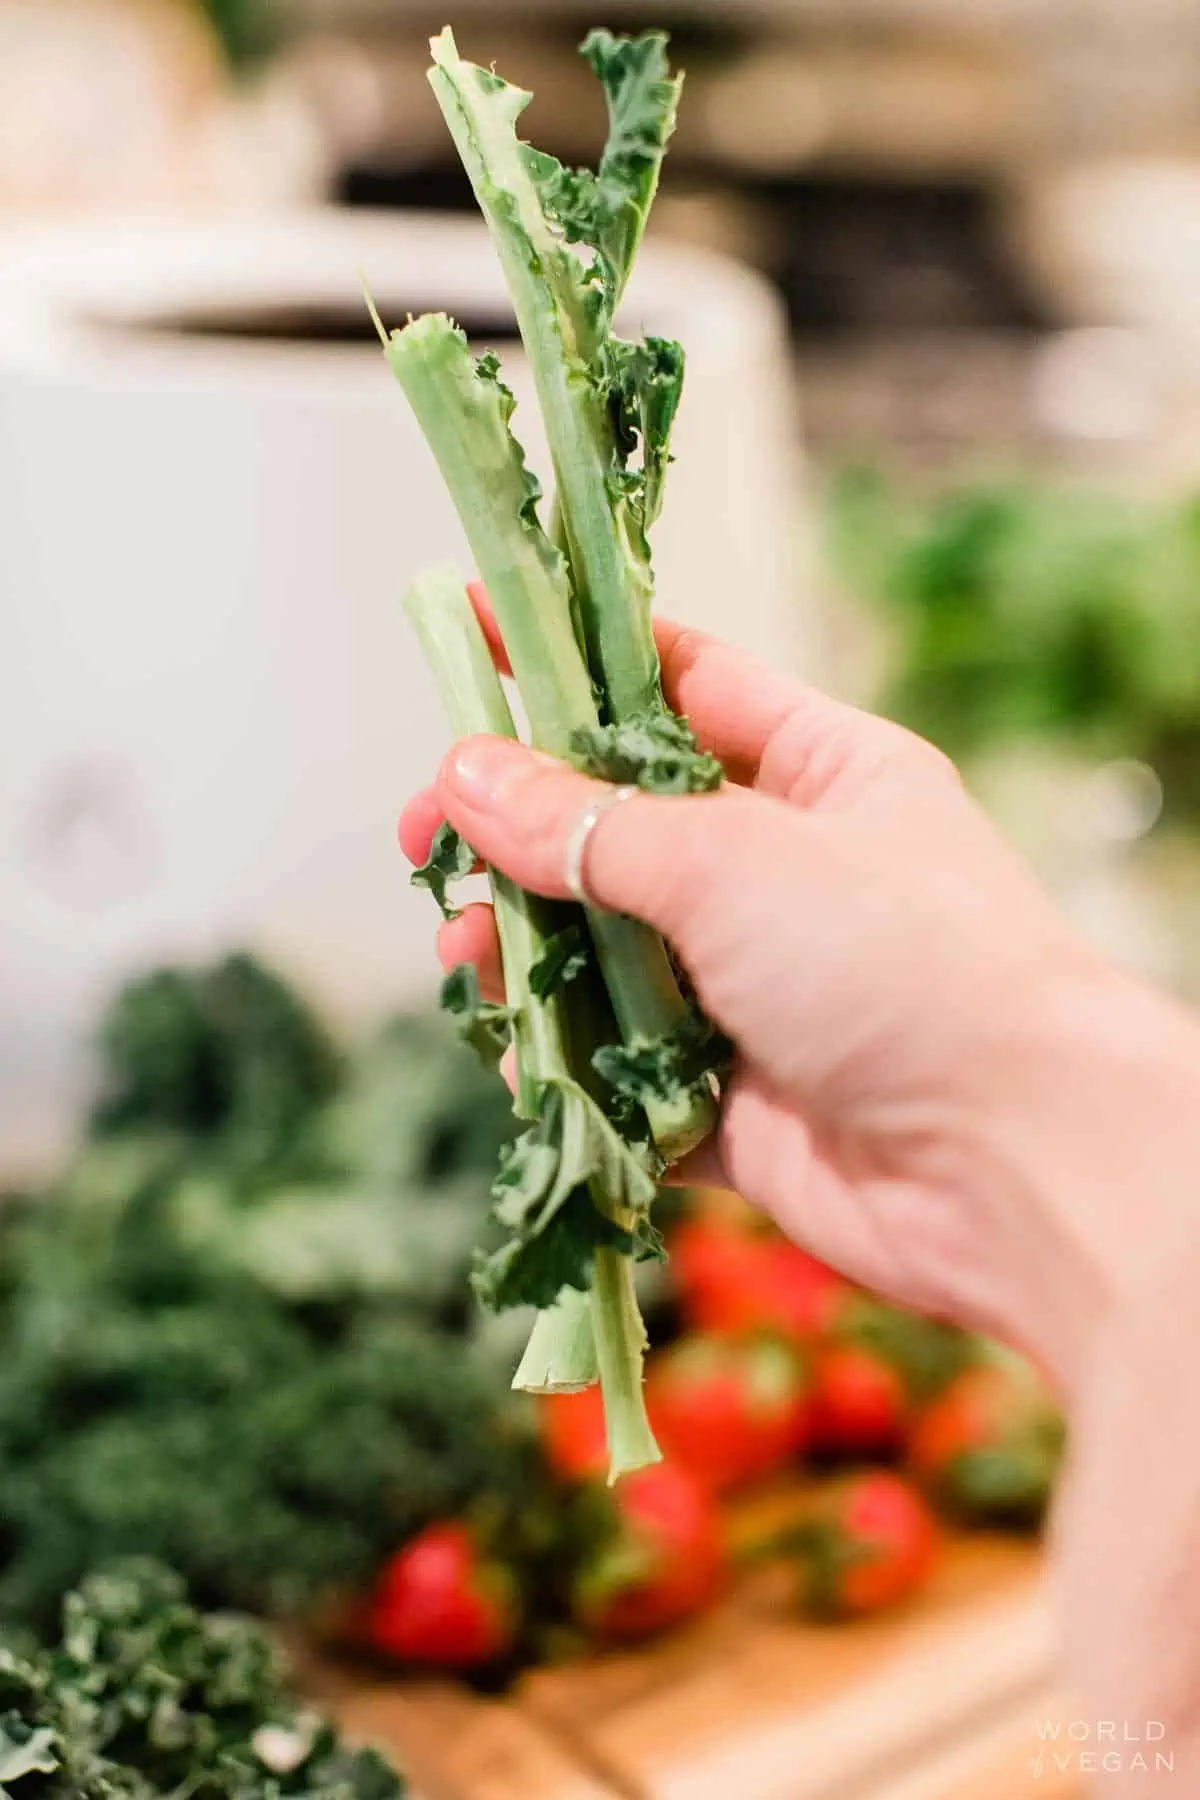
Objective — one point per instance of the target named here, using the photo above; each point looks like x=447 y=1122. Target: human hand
x=920 y=1039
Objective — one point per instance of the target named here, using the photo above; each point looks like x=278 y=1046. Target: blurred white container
x=210 y=704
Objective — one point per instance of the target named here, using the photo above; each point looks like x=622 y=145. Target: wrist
x=1126 y=1527
x=1090 y=1143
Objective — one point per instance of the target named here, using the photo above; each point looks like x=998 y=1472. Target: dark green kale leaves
x=656 y=752
x=544 y=1199
x=483 y=1024
x=230 y=1055
x=450 y=859
x=143 y=1697
x=564 y=957
x=670 y=1066
x=273 y=1458
x=266 y=1385
x=1022 y=612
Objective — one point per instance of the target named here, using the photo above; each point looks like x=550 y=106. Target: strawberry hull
x=664 y=1562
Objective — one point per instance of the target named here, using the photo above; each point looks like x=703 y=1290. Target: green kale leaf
x=564 y=958
x=146 y=1698
x=657 y=752
x=643 y=98
x=484 y=1025
x=230 y=1055
x=450 y=860
x=543 y=1201
x=667 y=1067
x=607 y=211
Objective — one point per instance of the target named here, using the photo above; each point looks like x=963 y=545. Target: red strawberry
x=730 y=1277
x=440 y=1604
x=730 y=1409
x=860 y=1402
x=925 y=1353
x=574 y=1434
x=664 y=1561
x=870 y=1543
x=990 y=1445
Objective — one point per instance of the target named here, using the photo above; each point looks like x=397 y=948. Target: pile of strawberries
x=778 y=1365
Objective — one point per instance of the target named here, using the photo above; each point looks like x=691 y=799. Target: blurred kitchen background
x=941 y=439
x=936 y=266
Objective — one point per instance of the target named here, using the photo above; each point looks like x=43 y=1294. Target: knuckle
x=938 y=766
x=806 y=755
x=921 y=759
x=552 y=795
x=684 y=650
x=704 y=864
x=684 y=868
x=808 y=758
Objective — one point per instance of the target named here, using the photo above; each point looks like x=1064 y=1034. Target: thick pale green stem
x=573 y=1340
x=465 y=419
x=560 y=1357
x=556 y=527
x=620 y=1349
x=465 y=422
x=615 y=586
x=471 y=692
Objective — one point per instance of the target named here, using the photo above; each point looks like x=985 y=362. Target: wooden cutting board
x=1009 y=1758
x=753 y=1703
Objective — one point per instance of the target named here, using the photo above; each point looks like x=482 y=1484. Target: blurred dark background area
x=813 y=148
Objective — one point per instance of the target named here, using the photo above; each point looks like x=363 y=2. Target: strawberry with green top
x=731 y=1409
x=442 y=1603
x=875 y=1369
x=989 y=1447
x=664 y=1559
x=737 y=1276
x=869 y=1543
x=861 y=1405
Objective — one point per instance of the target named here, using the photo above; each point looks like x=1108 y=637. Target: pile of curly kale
x=143 y=1697
x=237 y=1334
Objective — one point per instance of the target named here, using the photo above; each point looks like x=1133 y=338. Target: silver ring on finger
x=575 y=862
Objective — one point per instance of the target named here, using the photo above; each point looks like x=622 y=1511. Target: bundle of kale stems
x=616 y=1071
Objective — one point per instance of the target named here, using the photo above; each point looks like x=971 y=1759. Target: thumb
x=652 y=857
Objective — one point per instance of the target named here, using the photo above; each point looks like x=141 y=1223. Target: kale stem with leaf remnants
x=464 y=411
x=615 y=1074
x=574 y=1198
x=532 y=204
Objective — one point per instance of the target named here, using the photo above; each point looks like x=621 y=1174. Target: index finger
x=734 y=703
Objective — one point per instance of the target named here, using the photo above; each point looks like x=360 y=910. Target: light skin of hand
x=938 y=1087
x=916 y=1027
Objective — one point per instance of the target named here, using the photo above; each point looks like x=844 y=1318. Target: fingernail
x=485 y=771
